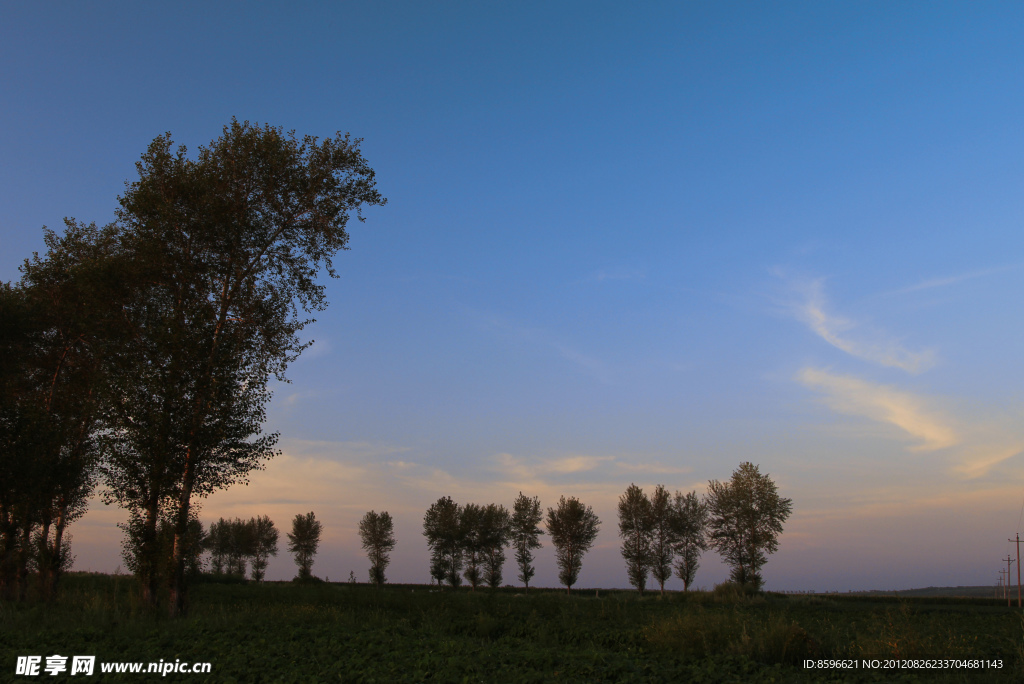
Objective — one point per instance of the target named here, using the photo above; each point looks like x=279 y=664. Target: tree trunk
x=149 y=554
x=26 y=546
x=7 y=544
x=177 y=579
x=58 y=550
x=46 y=558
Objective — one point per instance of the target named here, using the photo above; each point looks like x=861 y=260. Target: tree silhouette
x=474 y=542
x=264 y=537
x=303 y=541
x=377 y=533
x=746 y=515
x=524 y=532
x=663 y=537
x=496 y=531
x=636 y=527
x=223 y=250
x=689 y=525
x=443 y=527
x=573 y=528
x=52 y=324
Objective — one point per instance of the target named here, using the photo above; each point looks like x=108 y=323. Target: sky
x=622 y=244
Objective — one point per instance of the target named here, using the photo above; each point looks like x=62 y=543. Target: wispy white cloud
x=812 y=308
x=974 y=444
x=979 y=459
x=583 y=467
x=910 y=413
x=952 y=280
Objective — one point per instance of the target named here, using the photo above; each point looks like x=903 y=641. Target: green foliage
x=234 y=543
x=663 y=536
x=50 y=379
x=264 y=536
x=636 y=527
x=377 y=531
x=473 y=542
x=473 y=536
x=221 y=252
x=689 y=521
x=291 y=632
x=496 y=533
x=485 y=535
x=445 y=532
x=303 y=541
x=745 y=517
x=196 y=541
x=769 y=639
x=524 y=534
x=573 y=528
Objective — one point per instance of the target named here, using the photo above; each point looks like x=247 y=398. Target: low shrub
x=703 y=633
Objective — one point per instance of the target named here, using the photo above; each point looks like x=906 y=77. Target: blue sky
x=621 y=245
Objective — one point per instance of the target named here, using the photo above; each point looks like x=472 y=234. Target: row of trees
x=741 y=519
x=234 y=545
x=475 y=537
x=138 y=354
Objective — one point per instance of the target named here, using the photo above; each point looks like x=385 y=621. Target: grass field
x=280 y=632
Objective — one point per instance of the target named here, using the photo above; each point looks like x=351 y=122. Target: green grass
x=280 y=632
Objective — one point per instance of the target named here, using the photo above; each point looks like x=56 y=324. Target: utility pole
x=1018 y=568
x=1002 y=585
x=1008 y=560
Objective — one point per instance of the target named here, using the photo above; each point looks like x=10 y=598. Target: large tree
x=524 y=533
x=377 y=532
x=52 y=322
x=636 y=527
x=226 y=249
x=689 y=521
x=745 y=517
x=573 y=527
x=444 y=529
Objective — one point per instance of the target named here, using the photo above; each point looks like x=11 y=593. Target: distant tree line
x=740 y=518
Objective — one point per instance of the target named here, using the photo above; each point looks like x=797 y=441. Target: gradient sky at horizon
x=622 y=244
